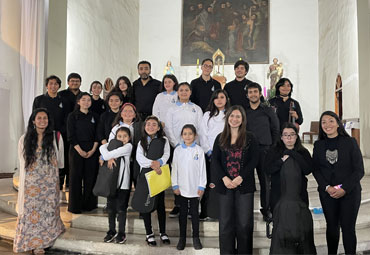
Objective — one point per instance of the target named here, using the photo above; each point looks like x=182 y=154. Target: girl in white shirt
x=213 y=123
x=184 y=112
x=118 y=204
x=167 y=98
x=189 y=180
x=153 y=130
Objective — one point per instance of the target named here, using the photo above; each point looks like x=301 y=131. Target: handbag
x=106 y=182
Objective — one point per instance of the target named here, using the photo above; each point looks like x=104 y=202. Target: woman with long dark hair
x=338 y=169
x=234 y=157
x=123 y=86
x=83 y=157
x=288 y=162
x=212 y=124
x=40 y=153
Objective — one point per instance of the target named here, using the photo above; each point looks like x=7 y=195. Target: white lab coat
x=162 y=103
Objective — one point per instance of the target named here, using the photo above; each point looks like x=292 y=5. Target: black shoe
x=120 y=238
x=164 y=238
x=110 y=236
x=181 y=244
x=175 y=212
x=203 y=217
x=197 y=244
x=151 y=240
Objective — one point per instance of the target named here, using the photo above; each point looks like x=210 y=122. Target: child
x=97 y=104
x=189 y=179
x=119 y=202
x=152 y=130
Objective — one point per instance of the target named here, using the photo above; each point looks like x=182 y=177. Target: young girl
x=123 y=85
x=114 y=100
x=189 y=179
x=167 y=98
x=128 y=117
x=118 y=203
x=184 y=112
x=97 y=105
x=152 y=130
x=213 y=123
x=83 y=159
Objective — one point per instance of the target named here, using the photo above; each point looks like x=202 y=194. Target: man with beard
x=145 y=89
x=264 y=124
x=237 y=89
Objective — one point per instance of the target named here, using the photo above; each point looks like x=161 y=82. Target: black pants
x=193 y=211
x=161 y=213
x=117 y=207
x=341 y=213
x=205 y=197
x=83 y=172
x=64 y=172
x=262 y=177
x=236 y=222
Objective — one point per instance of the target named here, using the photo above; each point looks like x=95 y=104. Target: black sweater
x=282 y=109
x=249 y=162
x=237 y=91
x=348 y=170
x=273 y=164
x=105 y=125
x=202 y=91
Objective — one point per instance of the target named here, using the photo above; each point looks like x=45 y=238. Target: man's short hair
x=207 y=59
x=53 y=77
x=144 y=62
x=242 y=62
x=74 y=76
x=254 y=85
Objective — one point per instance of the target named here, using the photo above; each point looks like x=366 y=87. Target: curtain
x=32 y=51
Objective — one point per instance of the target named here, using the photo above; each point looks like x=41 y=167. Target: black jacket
x=249 y=162
x=348 y=170
x=273 y=164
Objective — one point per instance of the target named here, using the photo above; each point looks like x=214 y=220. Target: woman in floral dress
x=40 y=153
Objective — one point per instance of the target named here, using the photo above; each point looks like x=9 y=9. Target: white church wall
x=11 y=121
x=102 y=39
x=338 y=53
x=293 y=40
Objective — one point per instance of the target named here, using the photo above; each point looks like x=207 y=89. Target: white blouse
x=180 y=115
x=162 y=103
x=209 y=129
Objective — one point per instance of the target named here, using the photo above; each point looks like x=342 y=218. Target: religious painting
x=239 y=28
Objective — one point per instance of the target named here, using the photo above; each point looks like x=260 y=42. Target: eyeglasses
x=289 y=135
x=207 y=66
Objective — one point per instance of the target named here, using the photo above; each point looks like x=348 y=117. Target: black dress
x=293 y=225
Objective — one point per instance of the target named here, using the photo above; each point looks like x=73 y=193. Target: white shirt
x=210 y=128
x=162 y=103
x=123 y=151
x=189 y=170
x=113 y=132
x=144 y=162
x=180 y=115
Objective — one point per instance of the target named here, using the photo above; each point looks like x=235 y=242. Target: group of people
x=213 y=139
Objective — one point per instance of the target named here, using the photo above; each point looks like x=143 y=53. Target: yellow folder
x=158 y=182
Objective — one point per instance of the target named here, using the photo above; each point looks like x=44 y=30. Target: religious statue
x=168 y=69
x=108 y=86
x=275 y=73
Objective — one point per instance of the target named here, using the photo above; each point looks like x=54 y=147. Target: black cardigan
x=273 y=164
x=348 y=170
x=249 y=162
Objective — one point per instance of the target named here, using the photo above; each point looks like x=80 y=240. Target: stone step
x=98 y=221
x=90 y=242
